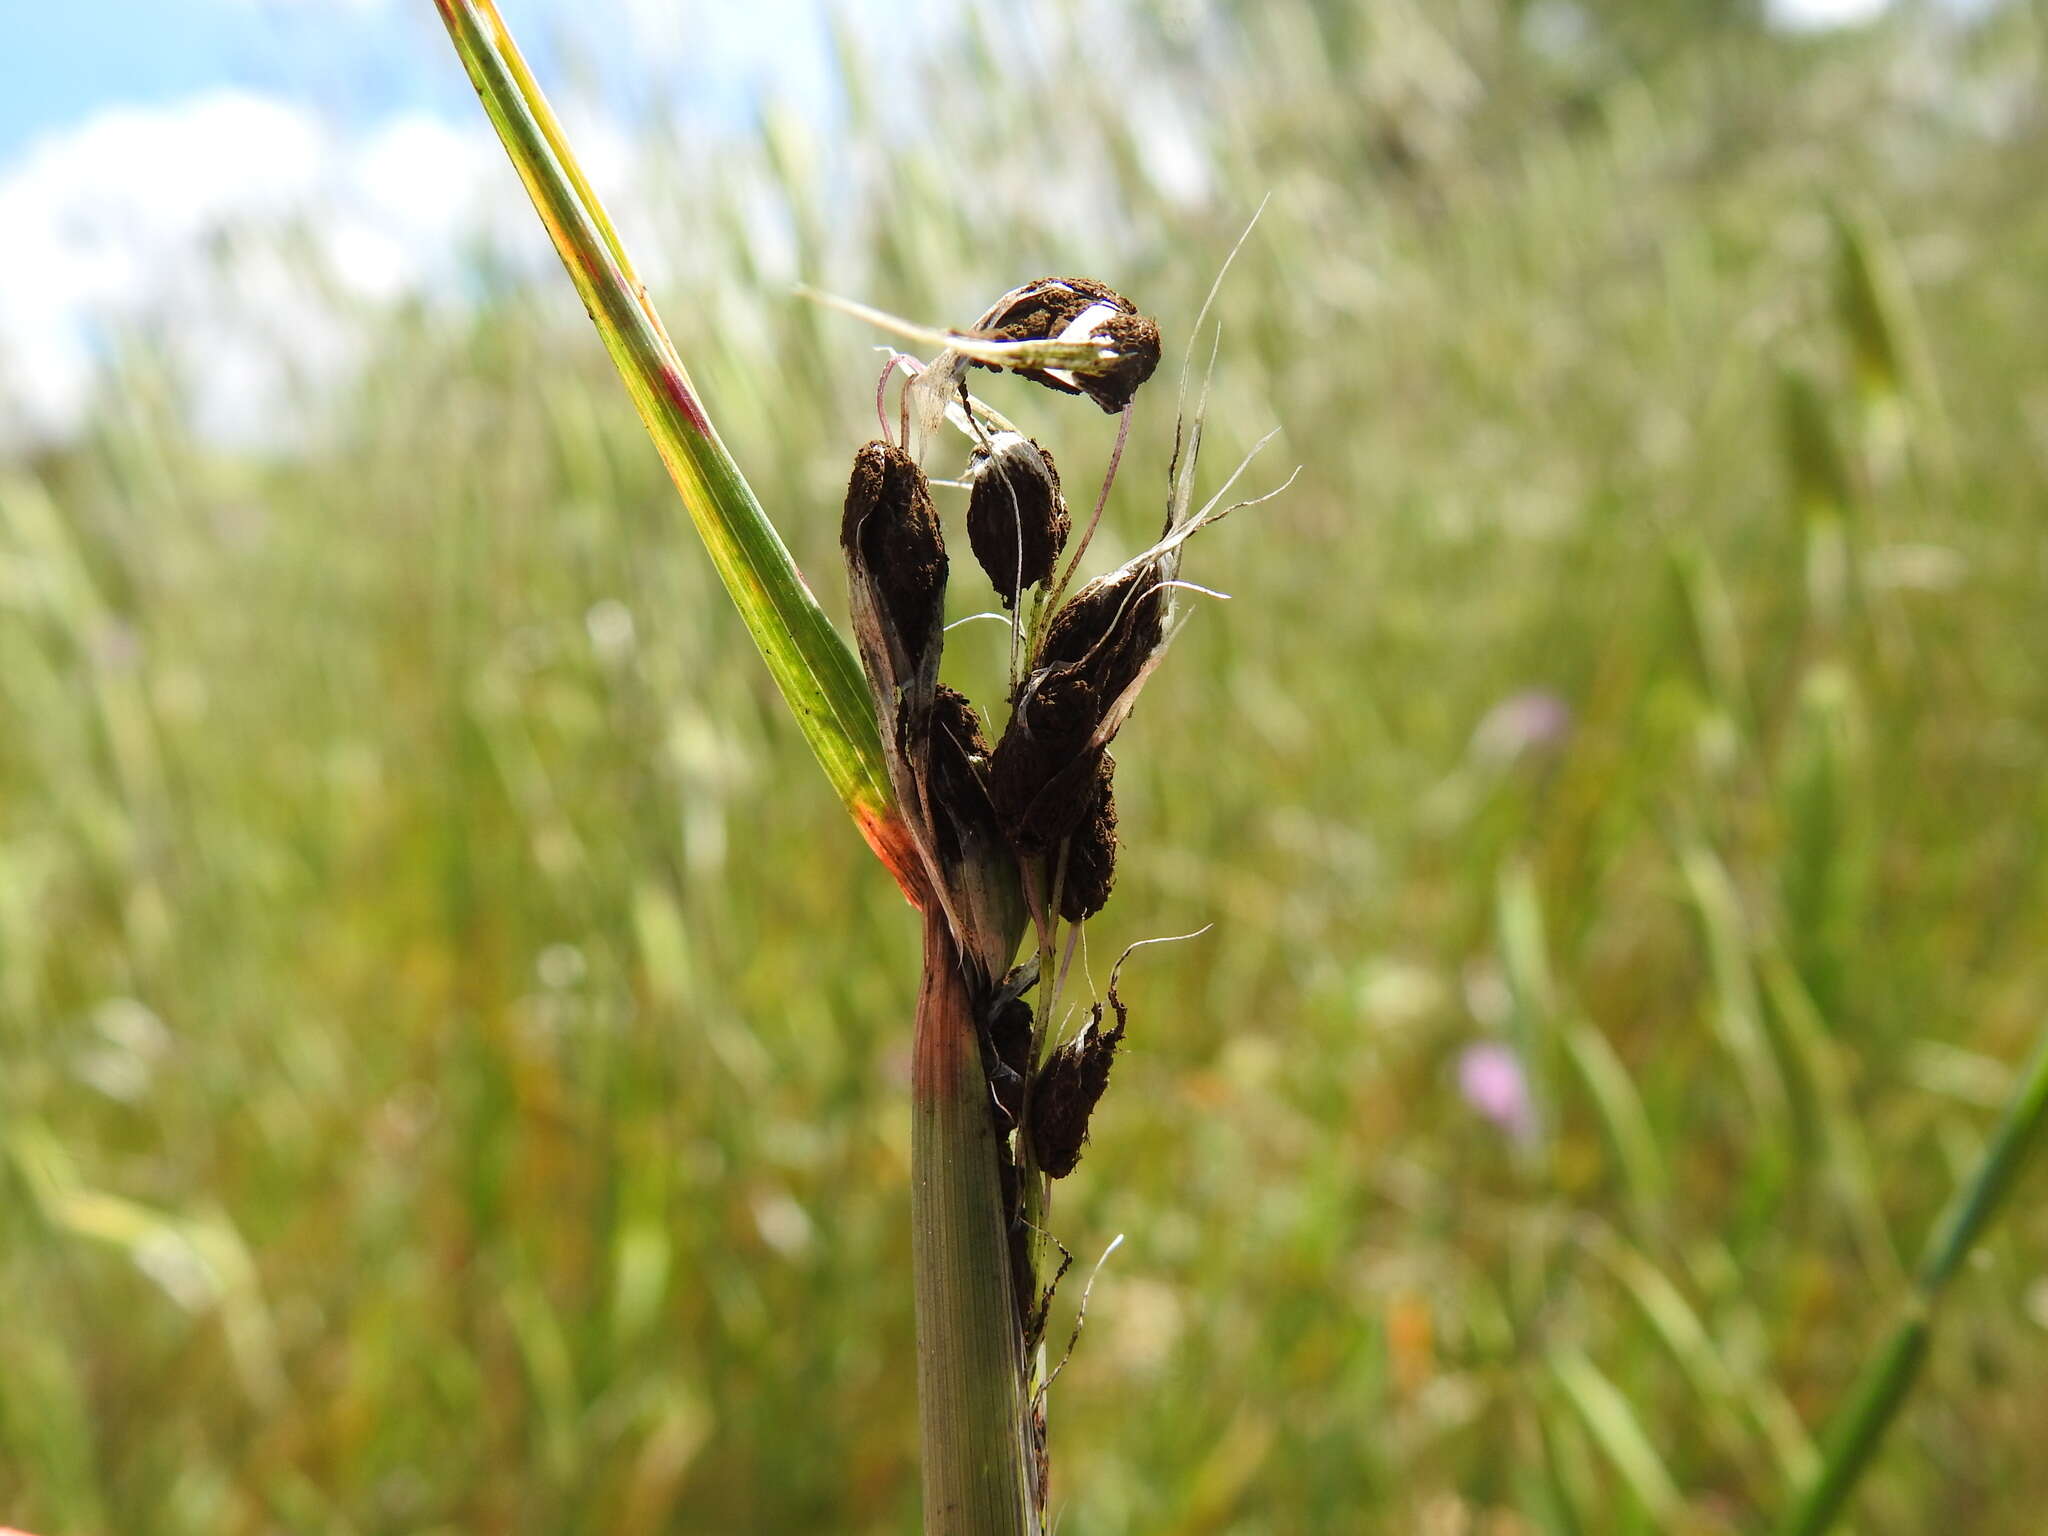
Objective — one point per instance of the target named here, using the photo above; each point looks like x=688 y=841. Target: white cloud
x=1820 y=15
x=238 y=232
x=241 y=233
x=1827 y=15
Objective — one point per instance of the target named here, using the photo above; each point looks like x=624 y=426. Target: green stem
x=1874 y=1402
x=972 y=1398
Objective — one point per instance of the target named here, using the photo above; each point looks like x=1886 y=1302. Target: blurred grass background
x=455 y=1049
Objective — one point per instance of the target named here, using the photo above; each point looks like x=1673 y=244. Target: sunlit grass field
x=455 y=1052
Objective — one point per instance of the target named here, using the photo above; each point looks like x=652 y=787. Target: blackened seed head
x=1017 y=520
x=1091 y=849
x=1045 y=306
x=1066 y=1091
x=1108 y=630
x=1044 y=310
x=1041 y=770
x=1058 y=808
x=959 y=751
x=956 y=724
x=1061 y=712
x=890 y=524
x=1137 y=355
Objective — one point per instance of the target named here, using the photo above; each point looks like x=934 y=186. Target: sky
x=134 y=132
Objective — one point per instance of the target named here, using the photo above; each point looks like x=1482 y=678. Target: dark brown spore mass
x=1041 y=769
x=1043 y=775
x=1017 y=521
x=890 y=524
x=1107 y=631
x=1009 y=1038
x=958 y=752
x=1045 y=306
x=1065 y=1092
x=1091 y=849
x=1137 y=345
x=1040 y=310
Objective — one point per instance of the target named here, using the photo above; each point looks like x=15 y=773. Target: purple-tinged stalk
x=982 y=1456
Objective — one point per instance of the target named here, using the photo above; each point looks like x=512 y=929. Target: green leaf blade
x=812 y=665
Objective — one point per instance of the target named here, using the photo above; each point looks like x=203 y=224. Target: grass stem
x=1883 y=1387
x=972 y=1402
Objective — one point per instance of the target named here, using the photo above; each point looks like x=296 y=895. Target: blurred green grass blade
x=1980 y=1199
x=1557 y=1506
x=1729 y=1401
x=1822 y=484
x=199 y=1261
x=1860 y=1426
x=1613 y=1424
x=1713 y=631
x=1898 y=390
x=1621 y=1112
x=811 y=664
x=1869 y=303
x=1737 y=1009
x=1525 y=962
x=1882 y=1389
x=1807 y=1038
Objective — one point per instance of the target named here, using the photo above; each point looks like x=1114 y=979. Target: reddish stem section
x=685 y=401
x=973 y=1401
x=888 y=834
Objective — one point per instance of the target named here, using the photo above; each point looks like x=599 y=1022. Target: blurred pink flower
x=1531 y=723
x=1491 y=1079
